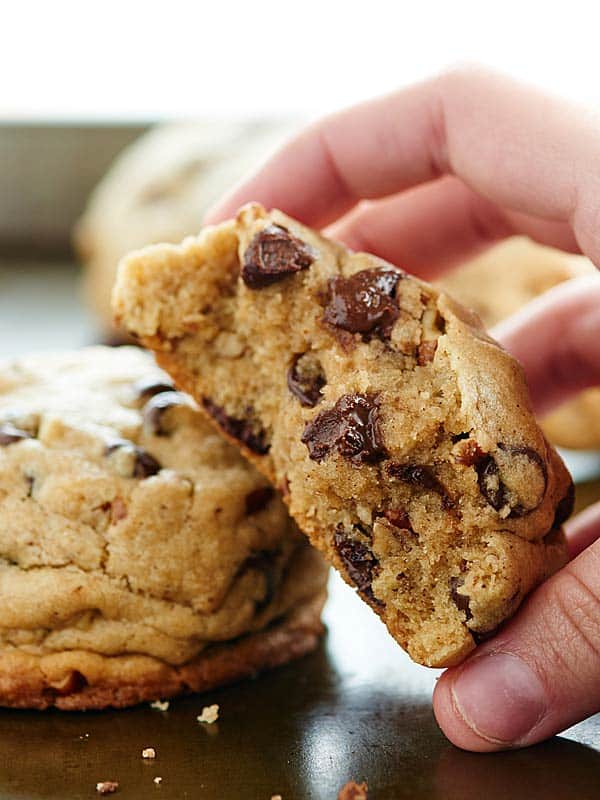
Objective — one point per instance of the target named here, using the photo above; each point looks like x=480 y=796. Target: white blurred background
x=148 y=60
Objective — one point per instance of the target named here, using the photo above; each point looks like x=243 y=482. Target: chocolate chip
x=364 y=303
x=148 y=387
x=74 y=682
x=144 y=465
x=461 y=601
x=258 y=499
x=306 y=378
x=565 y=507
x=272 y=255
x=490 y=485
x=494 y=488
x=360 y=563
x=351 y=428
x=152 y=413
x=422 y=477
x=9 y=434
x=263 y=561
x=244 y=430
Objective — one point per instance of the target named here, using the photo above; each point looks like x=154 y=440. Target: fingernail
x=499 y=697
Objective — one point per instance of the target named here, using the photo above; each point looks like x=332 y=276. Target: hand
x=447 y=167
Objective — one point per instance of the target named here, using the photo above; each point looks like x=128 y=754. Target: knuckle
x=578 y=606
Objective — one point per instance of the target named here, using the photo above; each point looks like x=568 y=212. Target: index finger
x=511 y=143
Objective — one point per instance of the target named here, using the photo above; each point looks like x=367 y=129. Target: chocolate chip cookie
x=399 y=433
x=140 y=554
x=501 y=281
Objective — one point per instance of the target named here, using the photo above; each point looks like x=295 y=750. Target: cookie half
x=400 y=434
x=140 y=554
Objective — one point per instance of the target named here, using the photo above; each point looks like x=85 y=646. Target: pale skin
x=426 y=177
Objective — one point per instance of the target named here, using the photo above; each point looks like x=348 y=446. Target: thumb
x=539 y=675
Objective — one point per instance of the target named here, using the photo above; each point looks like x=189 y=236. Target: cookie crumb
x=160 y=705
x=354 y=791
x=209 y=714
x=148 y=752
x=276 y=797
x=158 y=780
x=107 y=787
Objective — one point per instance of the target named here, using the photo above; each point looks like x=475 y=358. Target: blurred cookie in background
x=501 y=281
x=158 y=190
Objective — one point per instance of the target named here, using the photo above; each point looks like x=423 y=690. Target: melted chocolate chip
x=153 y=411
x=490 y=485
x=360 y=563
x=74 y=682
x=493 y=488
x=350 y=428
x=144 y=465
x=148 y=387
x=272 y=255
x=422 y=477
x=258 y=499
x=241 y=429
x=565 y=507
x=364 y=303
x=461 y=601
x=9 y=434
x=305 y=379
x=263 y=561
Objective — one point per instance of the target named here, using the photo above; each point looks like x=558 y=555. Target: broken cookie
x=400 y=434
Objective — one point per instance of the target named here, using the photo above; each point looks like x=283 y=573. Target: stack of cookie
x=141 y=555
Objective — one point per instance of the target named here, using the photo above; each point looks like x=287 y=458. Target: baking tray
x=357 y=708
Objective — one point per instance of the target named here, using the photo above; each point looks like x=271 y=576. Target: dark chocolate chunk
x=148 y=387
x=364 y=303
x=144 y=465
x=350 y=428
x=153 y=411
x=272 y=255
x=9 y=434
x=565 y=507
x=361 y=564
x=258 y=499
x=243 y=430
x=305 y=379
x=461 y=601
